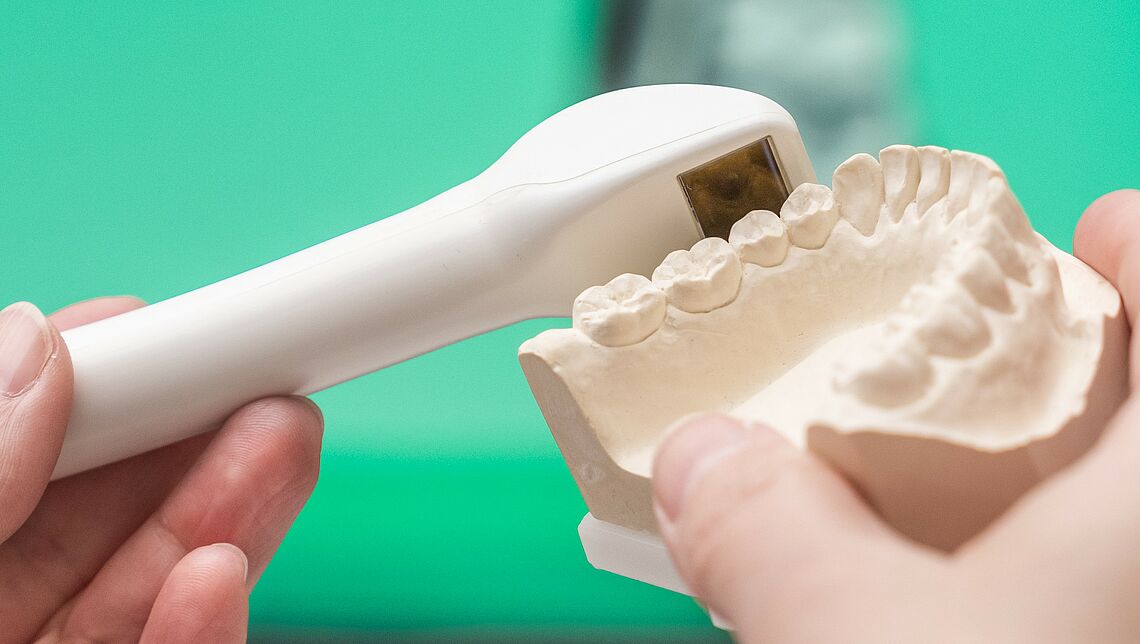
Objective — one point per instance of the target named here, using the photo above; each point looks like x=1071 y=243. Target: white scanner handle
x=370 y=298
x=590 y=193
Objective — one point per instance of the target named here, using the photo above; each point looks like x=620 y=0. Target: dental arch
x=907 y=325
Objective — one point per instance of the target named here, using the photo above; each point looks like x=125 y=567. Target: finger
x=94 y=310
x=80 y=520
x=1078 y=530
x=1108 y=239
x=766 y=534
x=246 y=489
x=35 y=402
x=203 y=600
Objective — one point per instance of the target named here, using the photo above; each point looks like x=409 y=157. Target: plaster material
x=908 y=326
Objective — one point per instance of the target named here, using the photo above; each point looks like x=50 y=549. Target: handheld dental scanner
x=607 y=186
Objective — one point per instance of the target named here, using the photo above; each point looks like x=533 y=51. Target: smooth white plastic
x=589 y=193
x=638 y=555
x=641 y=556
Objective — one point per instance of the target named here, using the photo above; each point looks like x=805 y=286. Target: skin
x=163 y=547
x=782 y=548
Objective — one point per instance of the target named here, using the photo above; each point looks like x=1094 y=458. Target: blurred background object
x=151 y=149
x=836 y=65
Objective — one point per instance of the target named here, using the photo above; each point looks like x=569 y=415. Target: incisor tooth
x=934 y=165
x=889 y=374
x=969 y=175
x=625 y=311
x=760 y=237
x=858 y=186
x=701 y=279
x=985 y=171
x=810 y=213
x=901 y=176
x=961 y=182
x=983 y=278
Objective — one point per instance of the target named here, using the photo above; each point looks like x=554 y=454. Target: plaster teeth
x=625 y=311
x=950 y=324
x=913 y=361
x=760 y=238
x=983 y=278
x=995 y=239
x=889 y=374
x=810 y=213
x=858 y=185
x=901 y=177
x=1001 y=204
x=701 y=279
x=969 y=178
x=934 y=166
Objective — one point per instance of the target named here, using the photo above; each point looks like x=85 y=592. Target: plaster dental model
x=907 y=325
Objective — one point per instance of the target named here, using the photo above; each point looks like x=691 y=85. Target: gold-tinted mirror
x=725 y=189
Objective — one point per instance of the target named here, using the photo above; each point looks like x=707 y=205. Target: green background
x=151 y=149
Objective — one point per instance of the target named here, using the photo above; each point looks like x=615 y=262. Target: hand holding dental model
x=163 y=547
x=785 y=550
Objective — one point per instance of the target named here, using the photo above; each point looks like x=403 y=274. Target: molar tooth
x=701 y=279
x=760 y=238
x=934 y=163
x=889 y=374
x=809 y=213
x=983 y=278
x=901 y=176
x=625 y=311
x=951 y=325
x=858 y=185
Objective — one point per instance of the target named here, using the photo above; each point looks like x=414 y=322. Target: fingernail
x=692 y=445
x=25 y=346
x=244 y=564
x=313 y=407
x=239 y=554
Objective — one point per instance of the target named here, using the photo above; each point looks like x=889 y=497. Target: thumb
x=1108 y=239
x=35 y=401
x=766 y=534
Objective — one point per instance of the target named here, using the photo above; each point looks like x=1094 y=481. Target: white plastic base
x=633 y=554
x=629 y=553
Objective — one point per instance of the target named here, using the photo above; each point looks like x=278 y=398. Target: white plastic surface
x=629 y=553
x=586 y=195
x=638 y=555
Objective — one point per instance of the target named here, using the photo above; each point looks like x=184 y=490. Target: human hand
x=785 y=550
x=162 y=547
